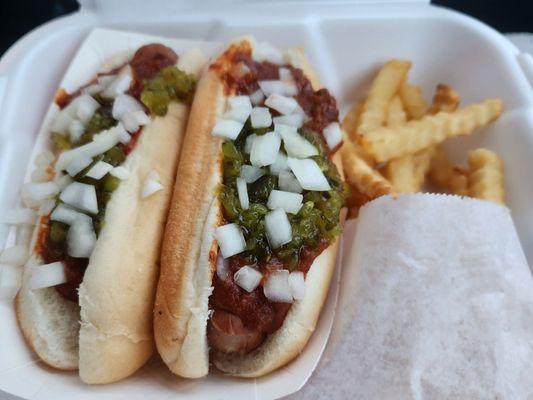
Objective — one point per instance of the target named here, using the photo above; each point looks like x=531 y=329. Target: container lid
x=116 y=10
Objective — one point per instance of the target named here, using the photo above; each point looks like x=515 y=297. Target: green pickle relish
x=167 y=85
x=317 y=220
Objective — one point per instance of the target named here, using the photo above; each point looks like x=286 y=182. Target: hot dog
x=102 y=191
x=253 y=229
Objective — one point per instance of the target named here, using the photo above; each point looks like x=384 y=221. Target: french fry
x=485 y=180
x=408 y=173
x=362 y=176
x=413 y=102
x=459 y=181
x=445 y=99
x=396 y=115
x=351 y=120
x=444 y=175
x=383 y=89
x=386 y=143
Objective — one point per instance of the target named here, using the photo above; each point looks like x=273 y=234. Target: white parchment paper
x=436 y=302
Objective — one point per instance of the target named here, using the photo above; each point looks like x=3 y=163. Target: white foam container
x=346 y=41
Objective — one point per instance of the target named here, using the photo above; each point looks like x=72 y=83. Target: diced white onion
x=44 y=158
x=265 y=51
x=40 y=174
x=123 y=135
x=309 y=174
x=276 y=287
x=281 y=88
x=34 y=194
x=125 y=104
x=239 y=108
x=257 y=97
x=288 y=182
x=243 y=69
x=104 y=80
x=78 y=164
x=282 y=104
x=295 y=144
x=16 y=255
x=62 y=181
x=62 y=121
x=81 y=238
x=24 y=235
x=20 y=216
x=192 y=62
x=120 y=172
x=296 y=120
x=81 y=196
x=227 y=128
x=280 y=164
x=290 y=202
x=99 y=145
x=92 y=89
x=153 y=175
x=249 y=142
x=297 y=285
x=265 y=149
x=10 y=281
x=68 y=216
x=47 y=275
x=242 y=191
x=333 y=135
x=46 y=207
x=260 y=117
x=134 y=120
x=99 y=170
x=278 y=228
x=248 y=278
x=76 y=130
x=84 y=107
x=150 y=187
x=230 y=240
x=285 y=74
x=222 y=267
x=250 y=173
x=152 y=184
x=119 y=84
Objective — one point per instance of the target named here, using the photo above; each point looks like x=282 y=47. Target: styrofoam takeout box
x=346 y=41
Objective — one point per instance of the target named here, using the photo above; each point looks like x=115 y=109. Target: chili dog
x=103 y=192
x=253 y=230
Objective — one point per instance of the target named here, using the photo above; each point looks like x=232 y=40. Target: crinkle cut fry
x=407 y=174
x=383 y=89
x=485 y=180
x=360 y=175
x=387 y=143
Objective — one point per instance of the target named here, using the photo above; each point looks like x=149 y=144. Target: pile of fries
x=393 y=137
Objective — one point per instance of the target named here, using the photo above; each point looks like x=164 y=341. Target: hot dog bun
x=187 y=266
x=109 y=335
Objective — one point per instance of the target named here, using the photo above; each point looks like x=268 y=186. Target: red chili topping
x=147 y=61
x=256 y=312
x=319 y=105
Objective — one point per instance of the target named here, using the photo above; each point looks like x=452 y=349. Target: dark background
x=20 y=16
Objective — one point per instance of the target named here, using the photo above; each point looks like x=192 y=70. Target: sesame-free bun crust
x=187 y=266
x=109 y=335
